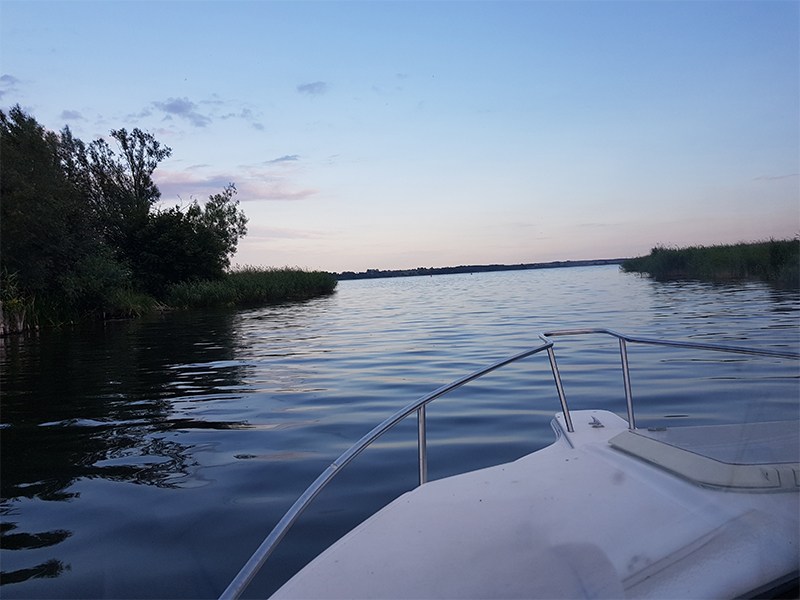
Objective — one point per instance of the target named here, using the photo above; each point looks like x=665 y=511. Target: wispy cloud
x=198 y=113
x=283 y=159
x=277 y=191
x=189 y=184
x=142 y=114
x=597 y=225
x=246 y=114
x=252 y=183
x=260 y=233
x=8 y=83
x=183 y=108
x=314 y=88
x=774 y=177
x=71 y=115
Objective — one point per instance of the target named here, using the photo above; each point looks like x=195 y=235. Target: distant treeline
x=420 y=271
x=83 y=233
x=774 y=260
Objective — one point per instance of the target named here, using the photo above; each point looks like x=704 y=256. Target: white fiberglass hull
x=580 y=518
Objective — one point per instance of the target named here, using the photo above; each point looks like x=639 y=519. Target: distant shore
x=422 y=271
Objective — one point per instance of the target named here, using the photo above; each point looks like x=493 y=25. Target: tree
x=224 y=224
x=119 y=187
x=195 y=243
x=50 y=248
x=141 y=153
x=160 y=247
x=79 y=230
x=45 y=224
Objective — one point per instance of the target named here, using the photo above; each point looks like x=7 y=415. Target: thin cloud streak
x=315 y=88
x=288 y=158
x=774 y=177
x=266 y=234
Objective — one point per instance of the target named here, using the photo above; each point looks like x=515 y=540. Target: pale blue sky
x=403 y=134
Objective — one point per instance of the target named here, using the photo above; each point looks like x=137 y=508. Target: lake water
x=149 y=458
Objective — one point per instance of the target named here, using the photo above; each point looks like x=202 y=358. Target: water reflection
x=51 y=568
x=22 y=541
x=97 y=404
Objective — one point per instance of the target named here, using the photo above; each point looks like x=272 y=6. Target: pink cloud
x=251 y=186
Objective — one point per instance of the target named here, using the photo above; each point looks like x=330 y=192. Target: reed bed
x=251 y=286
x=774 y=260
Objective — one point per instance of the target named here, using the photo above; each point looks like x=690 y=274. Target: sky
x=395 y=135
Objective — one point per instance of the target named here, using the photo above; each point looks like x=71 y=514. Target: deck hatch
x=747 y=456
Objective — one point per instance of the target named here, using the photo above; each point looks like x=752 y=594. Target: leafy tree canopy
x=80 y=226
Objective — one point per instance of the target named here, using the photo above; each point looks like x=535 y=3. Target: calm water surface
x=148 y=459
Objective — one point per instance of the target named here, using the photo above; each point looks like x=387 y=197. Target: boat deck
x=579 y=518
x=607 y=511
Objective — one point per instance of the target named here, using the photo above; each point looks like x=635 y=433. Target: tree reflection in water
x=22 y=541
x=96 y=403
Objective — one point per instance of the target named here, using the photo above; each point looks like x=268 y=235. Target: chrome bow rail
x=262 y=553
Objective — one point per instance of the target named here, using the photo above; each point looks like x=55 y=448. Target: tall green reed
x=252 y=286
x=772 y=260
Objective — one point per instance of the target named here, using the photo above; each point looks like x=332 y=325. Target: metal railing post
x=559 y=388
x=626 y=380
x=422 y=445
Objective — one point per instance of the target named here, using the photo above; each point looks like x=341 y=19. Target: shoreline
x=423 y=271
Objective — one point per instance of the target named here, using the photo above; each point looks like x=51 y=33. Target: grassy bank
x=251 y=287
x=775 y=260
x=242 y=288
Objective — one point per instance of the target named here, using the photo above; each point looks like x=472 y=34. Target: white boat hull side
x=576 y=519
